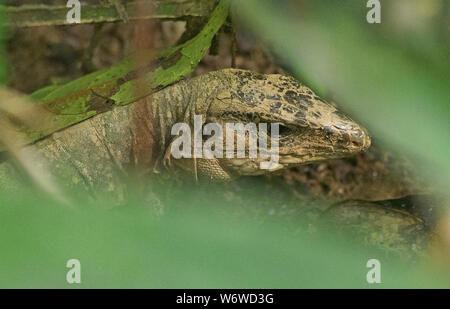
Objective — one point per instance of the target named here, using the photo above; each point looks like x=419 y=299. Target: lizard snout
x=359 y=139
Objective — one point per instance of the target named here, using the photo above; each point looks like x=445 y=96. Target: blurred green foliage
x=394 y=80
x=2 y=53
x=182 y=249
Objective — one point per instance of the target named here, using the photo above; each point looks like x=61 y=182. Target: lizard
x=99 y=153
x=96 y=153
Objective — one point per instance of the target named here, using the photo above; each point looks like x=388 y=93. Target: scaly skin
x=96 y=154
x=310 y=129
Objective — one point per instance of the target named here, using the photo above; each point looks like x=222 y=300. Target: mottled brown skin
x=394 y=230
x=96 y=154
x=310 y=129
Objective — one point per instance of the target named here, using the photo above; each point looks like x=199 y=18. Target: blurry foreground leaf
x=16 y=113
x=119 y=249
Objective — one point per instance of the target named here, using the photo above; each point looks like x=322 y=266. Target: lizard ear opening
x=284 y=130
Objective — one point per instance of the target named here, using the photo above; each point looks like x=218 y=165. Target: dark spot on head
x=275 y=104
x=239 y=94
x=288 y=108
x=274 y=97
x=291 y=96
x=316 y=115
x=319 y=99
x=260 y=77
x=246 y=97
x=275 y=107
x=251 y=101
x=300 y=116
x=304 y=97
x=297 y=99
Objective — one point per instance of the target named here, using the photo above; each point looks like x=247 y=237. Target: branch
x=53 y=15
x=137 y=76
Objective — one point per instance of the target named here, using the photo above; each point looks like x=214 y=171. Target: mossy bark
x=53 y=15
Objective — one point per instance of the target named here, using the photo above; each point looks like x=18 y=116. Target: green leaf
x=136 y=76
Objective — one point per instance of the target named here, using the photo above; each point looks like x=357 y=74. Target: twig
x=52 y=15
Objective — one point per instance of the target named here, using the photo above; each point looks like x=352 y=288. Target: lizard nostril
x=359 y=138
x=359 y=144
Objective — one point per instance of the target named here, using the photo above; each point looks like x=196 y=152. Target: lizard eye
x=283 y=130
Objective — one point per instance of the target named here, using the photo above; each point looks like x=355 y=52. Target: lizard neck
x=155 y=115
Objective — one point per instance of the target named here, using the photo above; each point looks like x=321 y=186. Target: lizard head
x=310 y=129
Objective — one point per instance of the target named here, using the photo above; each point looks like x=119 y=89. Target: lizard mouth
x=359 y=140
x=299 y=148
x=334 y=144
